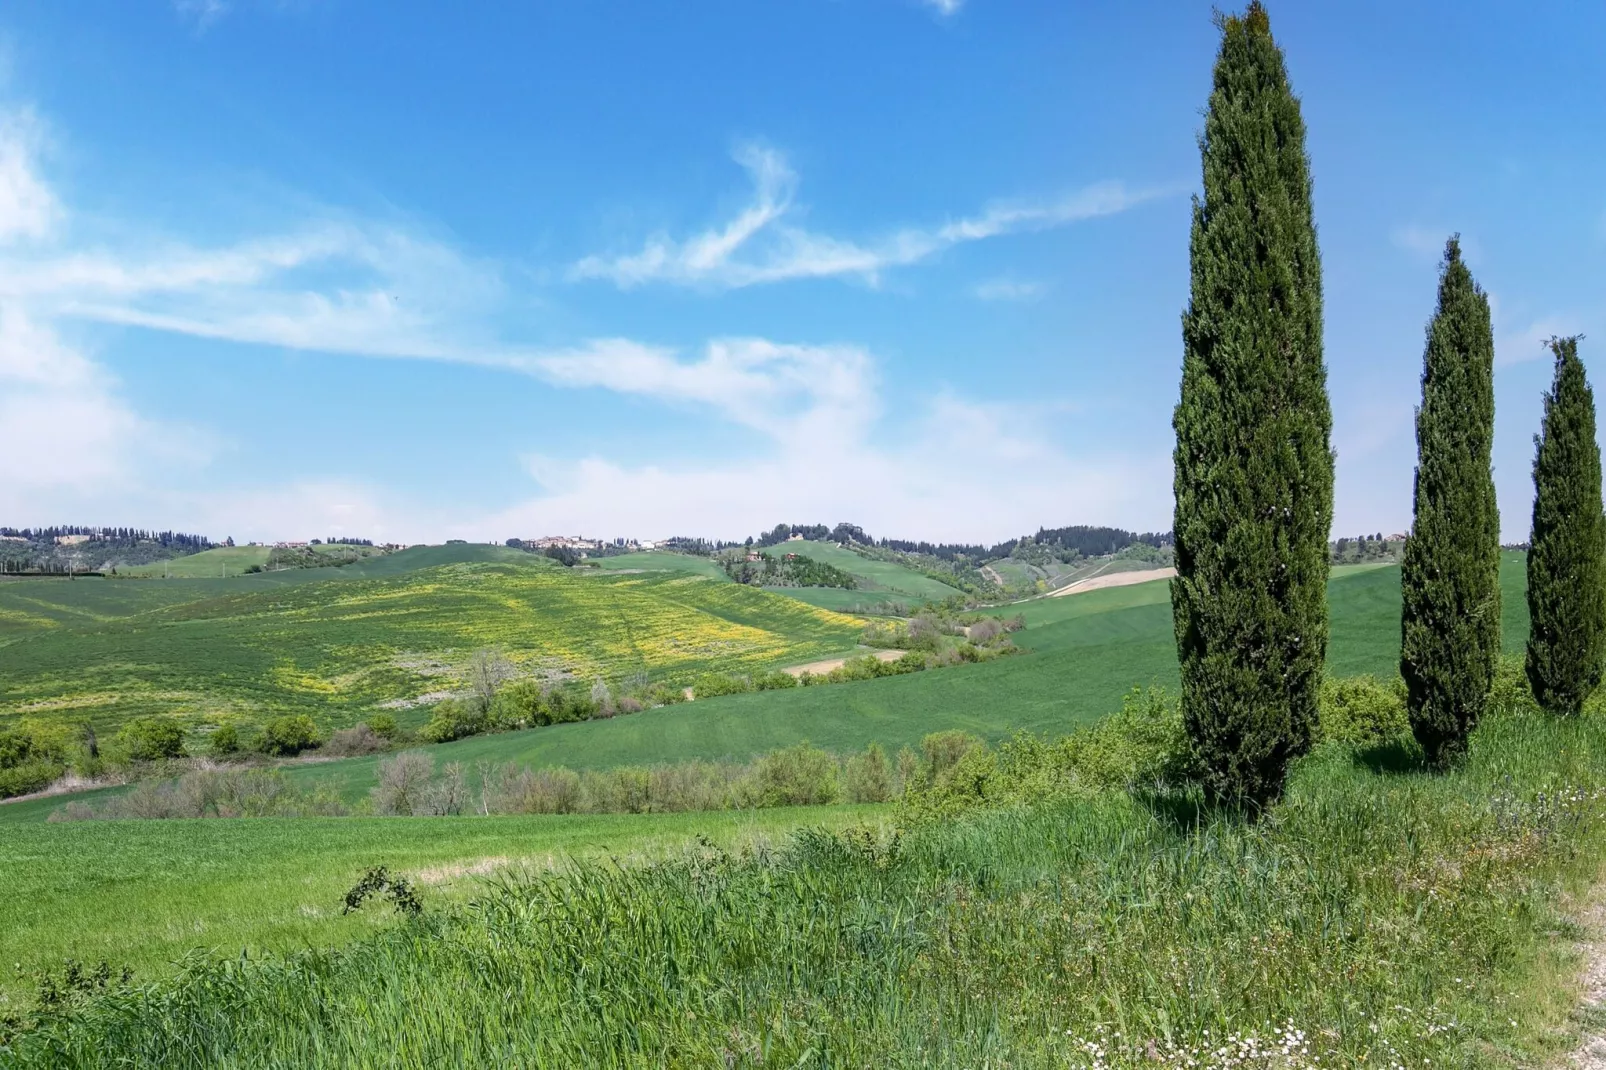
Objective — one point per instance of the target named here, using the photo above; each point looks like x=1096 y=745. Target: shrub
x=942 y=750
x=403 y=784
x=867 y=779
x=774 y=680
x=662 y=694
x=383 y=725
x=985 y=630
x=452 y=719
x=630 y=704
x=797 y=776
x=28 y=776
x=1359 y=709
x=288 y=735
x=224 y=741
x=355 y=741
x=602 y=699
x=212 y=793
x=149 y=739
x=715 y=684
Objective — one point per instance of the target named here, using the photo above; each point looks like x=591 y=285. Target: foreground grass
x=1375 y=918
x=146 y=893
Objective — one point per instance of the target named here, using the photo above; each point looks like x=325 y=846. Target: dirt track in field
x=1114 y=579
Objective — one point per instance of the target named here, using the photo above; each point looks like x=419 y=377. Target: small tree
x=1450 y=576
x=1567 y=555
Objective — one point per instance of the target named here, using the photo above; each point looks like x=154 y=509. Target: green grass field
x=1085 y=652
x=1381 y=917
x=662 y=561
x=856 y=603
x=145 y=893
x=875 y=576
x=220 y=562
x=339 y=643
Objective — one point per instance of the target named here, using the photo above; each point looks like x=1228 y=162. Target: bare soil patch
x=1114 y=579
x=819 y=667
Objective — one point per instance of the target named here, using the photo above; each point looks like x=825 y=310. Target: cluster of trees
x=343 y=540
x=777 y=570
x=173 y=540
x=1254 y=473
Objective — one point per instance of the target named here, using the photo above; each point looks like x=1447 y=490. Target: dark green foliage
x=1567 y=558
x=378 y=881
x=224 y=741
x=288 y=735
x=1253 y=471
x=1450 y=575
x=148 y=739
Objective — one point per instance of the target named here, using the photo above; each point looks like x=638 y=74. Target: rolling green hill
x=883 y=578
x=338 y=643
x=220 y=561
x=662 y=561
x=1085 y=652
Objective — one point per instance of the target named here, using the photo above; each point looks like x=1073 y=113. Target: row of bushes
x=865 y=667
x=928 y=630
x=35 y=754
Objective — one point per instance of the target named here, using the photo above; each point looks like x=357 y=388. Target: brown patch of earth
x=819 y=667
x=1114 y=579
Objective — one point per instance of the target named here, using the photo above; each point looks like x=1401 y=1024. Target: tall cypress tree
x=1450 y=577
x=1254 y=470
x=1567 y=555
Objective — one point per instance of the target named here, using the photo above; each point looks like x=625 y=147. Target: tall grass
x=1379 y=916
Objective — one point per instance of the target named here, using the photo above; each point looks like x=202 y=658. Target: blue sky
x=288 y=268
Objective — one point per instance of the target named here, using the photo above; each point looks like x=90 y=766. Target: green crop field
x=857 y=602
x=1085 y=652
x=662 y=561
x=338 y=643
x=880 y=576
x=276 y=883
x=218 y=561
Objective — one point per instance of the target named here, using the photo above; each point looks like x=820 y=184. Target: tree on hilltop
x=1253 y=465
x=1567 y=553
x=1450 y=575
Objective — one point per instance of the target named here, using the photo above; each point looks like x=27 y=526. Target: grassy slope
x=1385 y=918
x=335 y=643
x=882 y=576
x=663 y=561
x=145 y=892
x=206 y=564
x=1086 y=652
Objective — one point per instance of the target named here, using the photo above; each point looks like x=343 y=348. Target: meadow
x=339 y=643
x=1083 y=654
x=146 y=893
x=875 y=577
x=220 y=562
x=1379 y=916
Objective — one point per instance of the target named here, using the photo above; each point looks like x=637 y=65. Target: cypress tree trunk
x=1567 y=555
x=1254 y=470
x=1450 y=577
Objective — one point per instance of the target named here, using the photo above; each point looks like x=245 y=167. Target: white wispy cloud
x=1009 y=289
x=945 y=8
x=761 y=244
x=821 y=443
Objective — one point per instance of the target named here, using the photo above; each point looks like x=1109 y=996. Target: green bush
x=797 y=776
x=1360 y=709
x=775 y=680
x=942 y=750
x=715 y=684
x=224 y=741
x=288 y=735
x=867 y=777
x=452 y=719
x=384 y=725
x=149 y=739
x=34 y=774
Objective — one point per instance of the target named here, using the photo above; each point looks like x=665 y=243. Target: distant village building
x=288 y=545
x=72 y=540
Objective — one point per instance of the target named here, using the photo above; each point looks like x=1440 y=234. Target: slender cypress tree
x=1254 y=470
x=1567 y=554
x=1450 y=577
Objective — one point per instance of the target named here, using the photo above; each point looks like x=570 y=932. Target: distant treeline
x=173 y=540
x=342 y=540
x=1085 y=540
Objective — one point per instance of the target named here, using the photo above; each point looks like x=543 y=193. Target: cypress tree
x=1567 y=552
x=1253 y=467
x=1450 y=576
